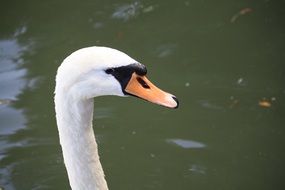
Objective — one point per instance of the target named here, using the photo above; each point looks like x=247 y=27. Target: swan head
x=98 y=71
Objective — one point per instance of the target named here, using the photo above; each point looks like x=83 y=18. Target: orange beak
x=141 y=87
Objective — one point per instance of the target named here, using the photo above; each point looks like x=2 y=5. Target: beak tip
x=177 y=102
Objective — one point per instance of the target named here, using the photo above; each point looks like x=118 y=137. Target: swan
x=87 y=73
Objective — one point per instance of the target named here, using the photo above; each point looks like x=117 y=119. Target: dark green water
x=220 y=58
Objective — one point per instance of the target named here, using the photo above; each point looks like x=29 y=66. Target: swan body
x=83 y=75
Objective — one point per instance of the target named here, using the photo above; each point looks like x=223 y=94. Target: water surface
x=224 y=60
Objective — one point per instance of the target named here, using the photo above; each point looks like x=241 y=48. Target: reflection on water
x=197 y=169
x=12 y=82
x=186 y=143
x=209 y=105
x=126 y=12
x=11 y=119
x=11 y=74
x=165 y=50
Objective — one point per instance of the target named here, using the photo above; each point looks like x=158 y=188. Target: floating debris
x=240 y=80
x=264 y=103
x=242 y=12
x=187 y=84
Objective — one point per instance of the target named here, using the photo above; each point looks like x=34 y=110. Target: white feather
x=81 y=77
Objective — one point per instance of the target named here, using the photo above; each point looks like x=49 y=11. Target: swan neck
x=79 y=147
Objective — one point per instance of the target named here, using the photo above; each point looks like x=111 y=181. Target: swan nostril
x=143 y=83
x=176 y=100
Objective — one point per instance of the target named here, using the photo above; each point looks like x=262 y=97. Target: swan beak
x=141 y=87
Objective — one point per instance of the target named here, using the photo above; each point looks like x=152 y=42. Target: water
x=224 y=60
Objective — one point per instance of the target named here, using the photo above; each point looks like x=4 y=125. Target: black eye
x=143 y=83
x=110 y=71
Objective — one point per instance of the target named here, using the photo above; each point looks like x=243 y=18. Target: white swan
x=85 y=74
